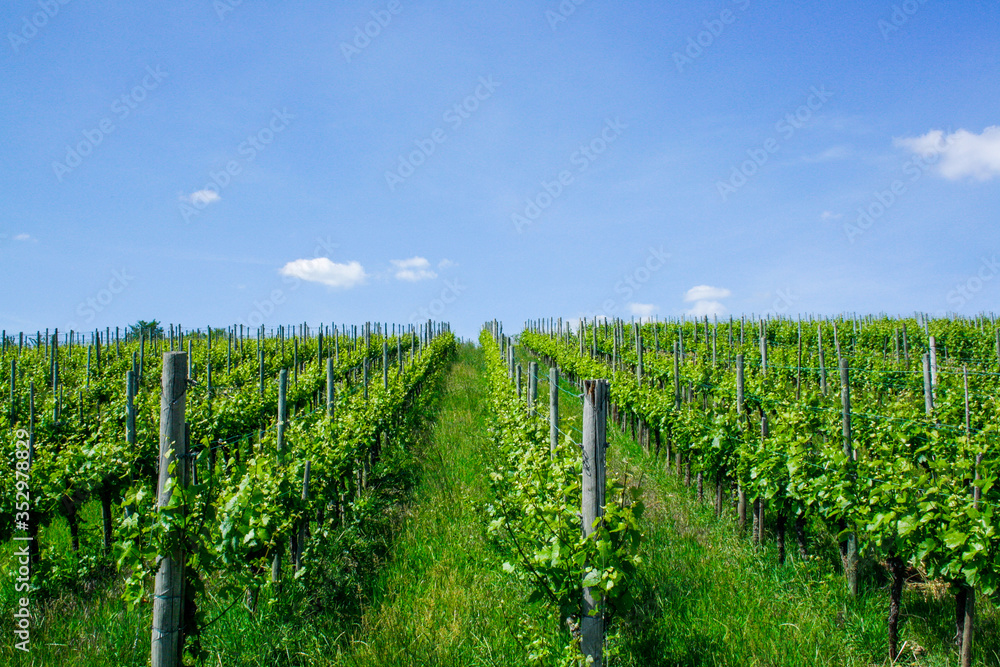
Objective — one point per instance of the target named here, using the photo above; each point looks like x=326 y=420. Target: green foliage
x=535 y=516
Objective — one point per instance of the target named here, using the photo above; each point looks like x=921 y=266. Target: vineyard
x=220 y=486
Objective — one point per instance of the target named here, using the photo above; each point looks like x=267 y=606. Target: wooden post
x=638 y=353
x=998 y=345
x=130 y=440
x=282 y=407
x=967 y=626
x=304 y=526
x=532 y=387
x=851 y=552
x=763 y=348
x=54 y=369
x=741 y=503
x=594 y=446
x=928 y=388
x=168 y=600
x=329 y=388
x=385 y=365
x=677 y=375
x=822 y=361
x=260 y=367
x=282 y=412
x=518 y=381
x=798 y=365
x=934 y=364
x=553 y=410
x=13 y=388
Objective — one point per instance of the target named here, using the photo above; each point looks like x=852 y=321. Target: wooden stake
x=169 y=586
x=851 y=557
x=553 y=410
x=533 y=385
x=594 y=446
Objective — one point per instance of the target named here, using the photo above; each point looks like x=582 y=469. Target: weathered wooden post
x=741 y=503
x=934 y=364
x=928 y=387
x=168 y=600
x=763 y=348
x=130 y=440
x=329 y=388
x=851 y=547
x=13 y=388
x=280 y=447
x=822 y=360
x=677 y=375
x=595 y=394
x=532 y=387
x=553 y=410
x=366 y=379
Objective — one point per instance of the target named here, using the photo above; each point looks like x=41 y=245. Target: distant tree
x=148 y=330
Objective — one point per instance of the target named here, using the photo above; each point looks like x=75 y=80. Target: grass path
x=443 y=598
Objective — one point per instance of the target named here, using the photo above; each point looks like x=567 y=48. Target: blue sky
x=214 y=163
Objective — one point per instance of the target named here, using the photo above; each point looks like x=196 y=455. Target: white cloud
x=703 y=292
x=641 y=309
x=322 y=270
x=413 y=269
x=202 y=197
x=707 y=307
x=447 y=264
x=962 y=153
x=830 y=215
x=23 y=237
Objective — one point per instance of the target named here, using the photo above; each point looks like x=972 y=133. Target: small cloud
x=446 y=264
x=707 y=307
x=703 y=292
x=830 y=215
x=322 y=270
x=202 y=198
x=961 y=153
x=641 y=309
x=23 y=237
x=413 y=269
x=833 y=153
